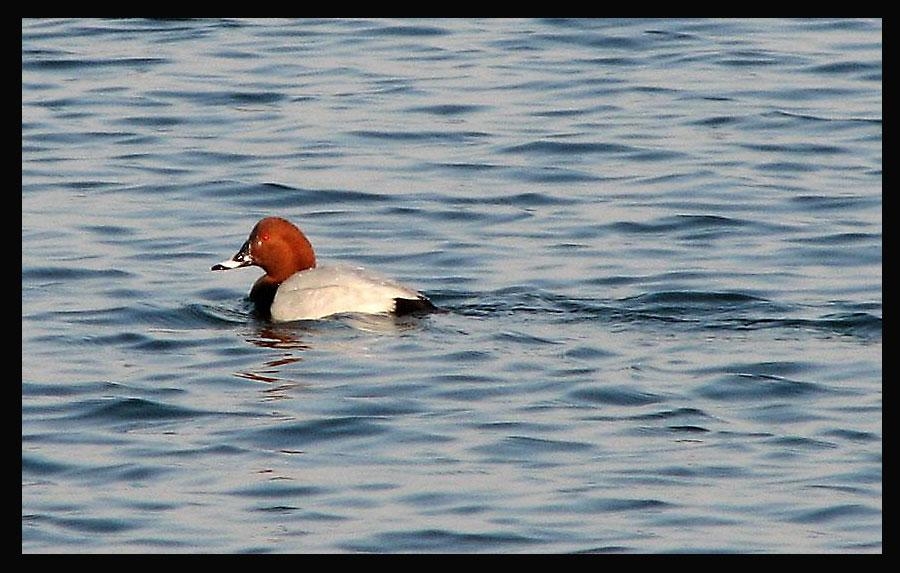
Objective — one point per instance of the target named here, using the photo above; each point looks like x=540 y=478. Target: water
x=659 y=243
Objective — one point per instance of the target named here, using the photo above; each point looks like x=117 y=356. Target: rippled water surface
x=659 y=243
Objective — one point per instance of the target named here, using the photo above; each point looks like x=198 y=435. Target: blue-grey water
x=659 y=243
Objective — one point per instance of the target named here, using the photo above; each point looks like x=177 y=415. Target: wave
x=688 y=309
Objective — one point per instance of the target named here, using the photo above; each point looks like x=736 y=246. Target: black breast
x=262 y=294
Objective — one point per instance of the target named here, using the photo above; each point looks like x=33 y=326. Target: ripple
x=796 y=148
x=620 y=504
x=529 y=448
x=421 y=136
x=297 y=434
x=441 y=541
x=132 y=410
x=275 y=489
x=847 y=67
x=406 y=30
x=750 y=386
x=96 y=525
x=802 y=443
x=72 y=273
x=693 y=298
x=675 y=223
x=613 y=396
x=448 y=109
x=840 y=512
x=523 y=199
x=219 y=98
x=853 y=435
x=38 y=465
x=68 y=63
x=554 y=174
x=285 y=196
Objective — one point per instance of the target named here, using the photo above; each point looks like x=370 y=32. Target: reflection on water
x=383 y=324
x=282 y=338
x=277 y=336
x=290 y=340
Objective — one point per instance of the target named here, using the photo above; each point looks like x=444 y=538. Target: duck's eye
x=265 y=236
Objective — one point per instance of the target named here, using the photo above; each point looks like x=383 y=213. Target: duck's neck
x=262 y=294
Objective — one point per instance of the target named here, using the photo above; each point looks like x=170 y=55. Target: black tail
x=420 y=305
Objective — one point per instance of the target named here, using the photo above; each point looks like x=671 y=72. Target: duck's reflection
x=281 y=338
x=277 y=336
x=286 y=339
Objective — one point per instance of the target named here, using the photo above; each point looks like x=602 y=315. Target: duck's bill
x=241 y=259
x=229 y=264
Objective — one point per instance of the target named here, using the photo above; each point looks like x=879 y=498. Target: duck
x=295 y=288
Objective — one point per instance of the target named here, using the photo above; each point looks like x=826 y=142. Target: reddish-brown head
x=277 y=246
